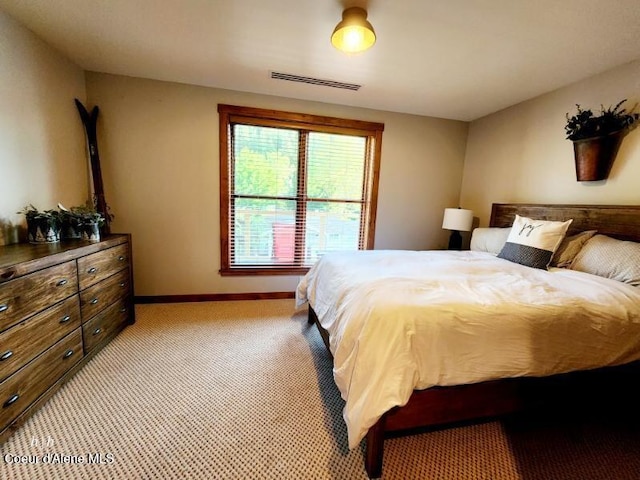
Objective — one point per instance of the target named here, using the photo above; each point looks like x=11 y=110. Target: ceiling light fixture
x=354 y=34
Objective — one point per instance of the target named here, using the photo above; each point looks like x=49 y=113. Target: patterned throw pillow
x=533 y=242
x=610 y=258
x=570 y=247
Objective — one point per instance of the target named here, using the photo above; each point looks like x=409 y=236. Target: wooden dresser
x=59 y=305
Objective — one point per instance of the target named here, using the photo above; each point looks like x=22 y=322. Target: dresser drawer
x=23 y=387
x=23 y=342
x=100 y=265
x=103 y=294
x=105 y=324
x=25 y=296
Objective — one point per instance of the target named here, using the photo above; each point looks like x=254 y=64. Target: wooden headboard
x=618 y=221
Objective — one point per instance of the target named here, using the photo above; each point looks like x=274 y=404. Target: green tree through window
x=293 y=187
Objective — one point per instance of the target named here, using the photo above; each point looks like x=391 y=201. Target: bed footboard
x=374 y=450
x=441 y=406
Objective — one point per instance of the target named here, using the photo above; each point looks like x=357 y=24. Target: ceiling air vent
x=315 y=81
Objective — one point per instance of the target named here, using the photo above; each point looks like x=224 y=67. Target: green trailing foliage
x=42 y=226
x=32 y=213
x=82 y=214
x=584 y=124
x=70 y=222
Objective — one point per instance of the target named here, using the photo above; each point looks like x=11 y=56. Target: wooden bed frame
x=443 y=405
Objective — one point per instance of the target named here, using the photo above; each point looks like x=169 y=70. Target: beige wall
x=160 y=160
x=42 y=148
x=520 y=154
x=159 y=150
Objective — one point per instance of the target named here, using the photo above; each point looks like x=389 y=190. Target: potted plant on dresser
x=81 y=222
x=42 y=226
x=596 y=139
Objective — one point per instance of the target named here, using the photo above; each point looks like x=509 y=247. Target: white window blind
x=295 y=191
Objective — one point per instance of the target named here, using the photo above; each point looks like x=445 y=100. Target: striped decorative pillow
x=533 y=242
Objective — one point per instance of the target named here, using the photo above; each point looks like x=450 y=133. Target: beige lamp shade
x=354 y=34
x=457 y=219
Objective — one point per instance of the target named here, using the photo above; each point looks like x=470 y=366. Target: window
x=292 y=187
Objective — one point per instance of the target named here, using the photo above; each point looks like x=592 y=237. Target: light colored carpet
x=244 y=390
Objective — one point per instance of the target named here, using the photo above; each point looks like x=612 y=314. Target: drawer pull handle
x=6 y=355
x=12 y=399
x=3 y=308
x=97 y=331
x=123 y=309
x=120 y=258
x=94 y=301
x=62 y=282
x=123 y=284
x=92 y=270
x=65 y=319
x=67 y=354
x=8 y=275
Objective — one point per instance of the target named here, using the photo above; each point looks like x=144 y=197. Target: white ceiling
x=458 y=59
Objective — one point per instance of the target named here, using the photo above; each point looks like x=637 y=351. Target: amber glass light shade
x=354 y=34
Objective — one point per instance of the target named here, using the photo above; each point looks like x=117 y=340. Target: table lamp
x=457 y=220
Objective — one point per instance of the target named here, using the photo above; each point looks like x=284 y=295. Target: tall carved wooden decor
x=89 y=121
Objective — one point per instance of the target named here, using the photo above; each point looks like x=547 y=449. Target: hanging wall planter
x=596 y=139
x=594 y=156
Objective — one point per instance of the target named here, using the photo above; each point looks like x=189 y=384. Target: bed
x=403 y=397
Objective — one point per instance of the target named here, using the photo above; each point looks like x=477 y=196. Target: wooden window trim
x=229 y=114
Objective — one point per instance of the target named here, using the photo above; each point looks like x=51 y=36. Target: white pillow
x=489 y=239
x=610 y=258
x=533 y=242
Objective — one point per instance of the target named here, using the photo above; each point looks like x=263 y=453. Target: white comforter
x=405 y=320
